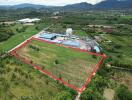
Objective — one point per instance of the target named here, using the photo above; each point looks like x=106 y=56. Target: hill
x=27 y=5
x=106 y=4
x=78 y=6
x=114 y=4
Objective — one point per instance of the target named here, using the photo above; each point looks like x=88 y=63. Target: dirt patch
x=109 y=94
x=25 y=50
x=124 y=78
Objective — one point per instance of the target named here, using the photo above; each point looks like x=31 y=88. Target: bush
x=34 y=47
x=122 y=93
x=5 y=33
x=90 y=94
x=56 y=62
x=63 y=96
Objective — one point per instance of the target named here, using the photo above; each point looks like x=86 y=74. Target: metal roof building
x=71 y=43
x=97 y=49
x=47 y=36
x=29 y=20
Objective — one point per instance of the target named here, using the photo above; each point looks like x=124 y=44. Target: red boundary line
x=77 y=49
x=49 y=74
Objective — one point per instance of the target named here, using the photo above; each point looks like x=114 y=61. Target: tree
x=94 y=56
x=90 y=94
x=37 y=28
x=122 y=93
x=98 y=83
x=5 y=33
x=47 y=82
x=56 y=62
x=60 y=77
x=63 y=96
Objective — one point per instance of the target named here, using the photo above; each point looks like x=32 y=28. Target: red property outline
x=14 y=53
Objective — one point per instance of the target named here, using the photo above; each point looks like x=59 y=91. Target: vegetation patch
x=72 y=66
x=19 y=81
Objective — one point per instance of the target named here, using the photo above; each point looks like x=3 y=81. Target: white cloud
x=47 y=2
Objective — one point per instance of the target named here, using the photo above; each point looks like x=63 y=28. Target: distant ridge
x=27 y=5
x=114 y=4
x=78 y=6
x=106 y=4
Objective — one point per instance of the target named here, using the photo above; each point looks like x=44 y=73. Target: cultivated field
x=69 y=65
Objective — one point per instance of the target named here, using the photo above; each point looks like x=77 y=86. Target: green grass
x=20 y=82
x=127 y=17
x=80 y=33
x=74 y=67
x=20 y=37
x=126 y=48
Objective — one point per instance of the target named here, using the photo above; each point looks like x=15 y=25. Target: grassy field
x=20 y=36
x=80 y=33
x=127 y=17
x=72 y=66
x=123 y=54
x=20 y=82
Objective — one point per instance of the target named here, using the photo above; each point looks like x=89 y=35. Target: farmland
x=61 y=62
x=111 y=29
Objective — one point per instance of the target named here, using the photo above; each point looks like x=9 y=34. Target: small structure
x=69 y=32
x=28 y=24
x=96 y=48
x=70 y=40
x=48 y=36
x=56 y=13
x=55 y=17
x=8 y=22
x=71 y=43
x=29 y=20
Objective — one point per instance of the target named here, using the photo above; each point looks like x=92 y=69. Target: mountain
x=5 y=6
x=24 y=5
x=27 y=5
x=78 y=6
x=114 y=4
x=105 y=4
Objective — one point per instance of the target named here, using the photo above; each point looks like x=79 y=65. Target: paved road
x=121 y=68
x=78 y=96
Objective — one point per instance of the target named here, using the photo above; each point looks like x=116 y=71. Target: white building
x=69 y=31
x=29 y=20
x=56 y=13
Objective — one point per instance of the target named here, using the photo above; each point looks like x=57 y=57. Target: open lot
x=68 y=65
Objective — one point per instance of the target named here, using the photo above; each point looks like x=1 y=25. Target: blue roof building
x=47 y=36
x=97 y=49
x=71 y=43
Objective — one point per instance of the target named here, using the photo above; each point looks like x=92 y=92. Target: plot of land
x=67 y=64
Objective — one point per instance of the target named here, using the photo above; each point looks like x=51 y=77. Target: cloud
x=47 y=2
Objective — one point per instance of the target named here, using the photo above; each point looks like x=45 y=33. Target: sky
x=46 y=2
